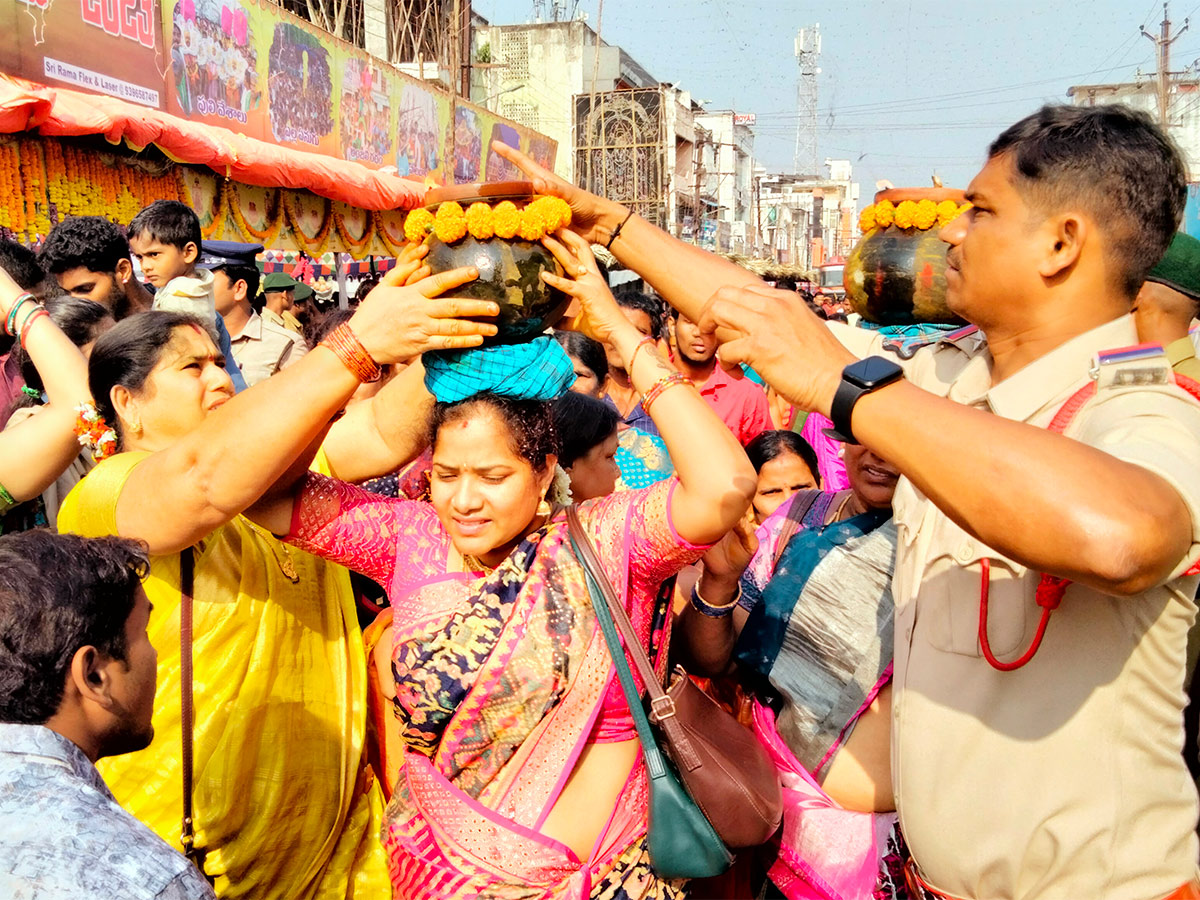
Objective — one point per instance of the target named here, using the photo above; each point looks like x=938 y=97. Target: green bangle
x=9 y=325
x=7 y=500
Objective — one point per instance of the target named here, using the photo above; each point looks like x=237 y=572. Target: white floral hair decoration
x=560 y=488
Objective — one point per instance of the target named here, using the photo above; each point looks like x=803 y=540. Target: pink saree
x=499 y=684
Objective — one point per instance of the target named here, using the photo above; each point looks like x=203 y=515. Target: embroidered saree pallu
x=500 y=681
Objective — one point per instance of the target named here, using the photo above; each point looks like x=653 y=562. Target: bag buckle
x=661 y=708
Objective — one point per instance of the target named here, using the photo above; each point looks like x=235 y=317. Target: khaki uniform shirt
x=1182 y=354
x=264 y=348
x=1062 y=779
x=283 y=320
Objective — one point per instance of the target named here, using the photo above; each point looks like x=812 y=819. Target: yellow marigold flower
x=866 y=219
x=906 y=212
x=947 y=212
x=533 y=226
x=450 y=223
x=885 y=212
x=925 y=215
x=555 y=212
x=506 y=220
x=417 y=224
x=479 y=221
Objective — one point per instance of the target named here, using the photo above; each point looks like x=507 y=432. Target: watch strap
x=842 y=408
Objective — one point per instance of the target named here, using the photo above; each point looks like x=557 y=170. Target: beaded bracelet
x=661 y=385
x=10 y=324
x=642 y=343
x=352 y=354
x=30 y=319
x=714 y=612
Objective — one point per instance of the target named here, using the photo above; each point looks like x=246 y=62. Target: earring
x=136 y=427
x=543 y=508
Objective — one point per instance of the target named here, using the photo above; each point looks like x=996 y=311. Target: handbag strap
x=603 y=601
x=187 y=578
x=611 y=615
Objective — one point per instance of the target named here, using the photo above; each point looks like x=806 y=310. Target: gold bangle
x=661 y=385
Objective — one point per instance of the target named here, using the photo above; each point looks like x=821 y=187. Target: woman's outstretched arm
x=716 y=480
x=34 y=453
x=185 y=490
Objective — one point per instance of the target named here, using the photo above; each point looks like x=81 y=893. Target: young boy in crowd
x=165 y=238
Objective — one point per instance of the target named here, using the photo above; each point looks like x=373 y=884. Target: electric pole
x=698 y=217
x=1162 y=47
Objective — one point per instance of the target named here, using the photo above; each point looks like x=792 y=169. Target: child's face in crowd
x=161 y=262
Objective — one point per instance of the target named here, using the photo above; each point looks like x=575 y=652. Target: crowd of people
x=299 y=86
x=308 y=619
x=219 y=74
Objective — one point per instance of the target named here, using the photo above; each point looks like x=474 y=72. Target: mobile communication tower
x=808 y=55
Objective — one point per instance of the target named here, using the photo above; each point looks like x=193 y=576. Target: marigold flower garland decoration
x=451 y=223
x=908 y=214
x=93 y=432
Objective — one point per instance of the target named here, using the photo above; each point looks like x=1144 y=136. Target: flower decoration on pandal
x=910 y=214
x=451 y=223
x=93 y=432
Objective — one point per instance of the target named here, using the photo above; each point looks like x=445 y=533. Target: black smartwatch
x=859 y=378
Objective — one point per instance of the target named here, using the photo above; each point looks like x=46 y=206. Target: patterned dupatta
x=498 y=683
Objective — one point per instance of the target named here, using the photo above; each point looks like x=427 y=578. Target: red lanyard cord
x=1050 y=592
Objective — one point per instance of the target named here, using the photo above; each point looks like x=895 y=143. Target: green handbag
x=681 y=840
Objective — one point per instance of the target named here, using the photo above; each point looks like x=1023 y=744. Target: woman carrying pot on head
x=811 y=638
x=284 y=806
x=522 y=773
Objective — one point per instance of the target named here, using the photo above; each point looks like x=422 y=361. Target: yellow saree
x=285 y=805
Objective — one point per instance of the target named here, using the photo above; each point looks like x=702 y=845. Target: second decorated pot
x=896 y=274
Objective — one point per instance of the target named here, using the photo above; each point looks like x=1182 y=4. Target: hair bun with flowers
x=93 y=432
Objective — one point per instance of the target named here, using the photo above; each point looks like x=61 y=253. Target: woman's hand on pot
x=396 y=323
x=599 y=315
x=592 y=217
x=410 y=265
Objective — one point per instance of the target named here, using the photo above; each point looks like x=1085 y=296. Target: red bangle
x=661 y=385
x=346 y=346
x=33 y=317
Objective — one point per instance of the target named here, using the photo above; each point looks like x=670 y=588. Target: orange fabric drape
x=60 y=112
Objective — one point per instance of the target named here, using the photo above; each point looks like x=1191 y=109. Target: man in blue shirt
x=77 y=683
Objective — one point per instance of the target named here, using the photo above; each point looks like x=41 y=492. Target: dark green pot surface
x=509 y=273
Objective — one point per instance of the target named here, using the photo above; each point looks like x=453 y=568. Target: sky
x=908 y=88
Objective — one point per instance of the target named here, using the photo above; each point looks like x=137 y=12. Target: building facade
x=806 y=221
x=731 y=181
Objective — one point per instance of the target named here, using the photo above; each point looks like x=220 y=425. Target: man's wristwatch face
x=872 y=372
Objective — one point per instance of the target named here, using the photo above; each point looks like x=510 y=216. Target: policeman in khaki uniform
x=279 y=295
x=1168 y=302
x=1020 y=770
x=261 y=348
x=1056 y=774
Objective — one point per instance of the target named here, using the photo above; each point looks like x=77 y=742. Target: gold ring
x=582 y=271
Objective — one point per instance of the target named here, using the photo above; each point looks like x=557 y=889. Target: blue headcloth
x=537 y=370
